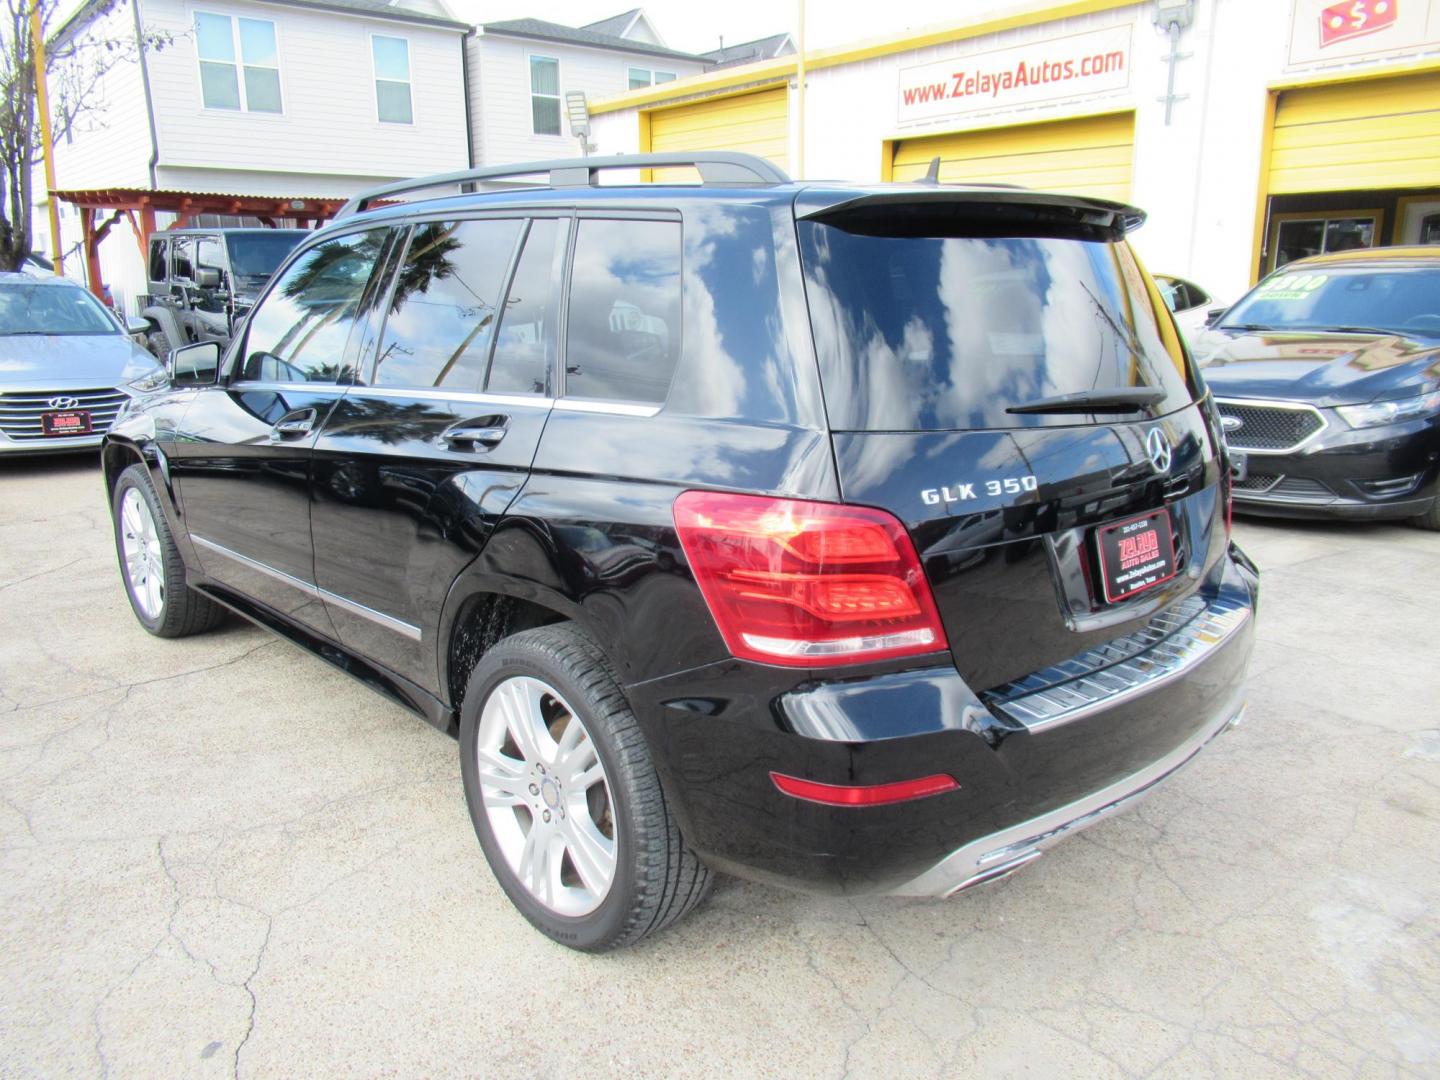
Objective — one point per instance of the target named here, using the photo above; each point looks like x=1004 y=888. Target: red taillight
x=864 y=794
x=805 y=583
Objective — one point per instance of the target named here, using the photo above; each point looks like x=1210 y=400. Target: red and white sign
x=1095 y=62
x=1355 y=18
x=1324 y=31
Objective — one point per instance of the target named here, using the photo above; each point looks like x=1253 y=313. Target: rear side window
x=947 y=332
x=623 y=333
x=446 y=303
x=525 y=349
x=158 y=251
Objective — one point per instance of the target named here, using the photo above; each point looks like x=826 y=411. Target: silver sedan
x=67 y=366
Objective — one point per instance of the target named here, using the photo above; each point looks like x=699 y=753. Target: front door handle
x=476 y=436
x=299 y=422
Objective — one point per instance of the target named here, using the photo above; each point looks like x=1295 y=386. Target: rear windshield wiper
x=1112 y=399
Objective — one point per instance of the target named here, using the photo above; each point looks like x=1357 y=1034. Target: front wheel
x=564 y=796
x=150 y=563
x=1430 y=519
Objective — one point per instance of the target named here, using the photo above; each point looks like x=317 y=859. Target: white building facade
x=1293 y=126
x=293 y=99
x=521 y=69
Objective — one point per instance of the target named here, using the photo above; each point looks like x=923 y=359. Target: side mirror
x=207 y=278
x=136 y=326
x=1213 y=316
x=194 y=365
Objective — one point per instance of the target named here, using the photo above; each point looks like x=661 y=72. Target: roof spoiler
x=993 y=210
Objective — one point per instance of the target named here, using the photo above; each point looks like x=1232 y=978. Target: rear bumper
x=1117 y=723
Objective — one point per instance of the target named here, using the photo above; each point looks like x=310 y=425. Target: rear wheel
x=564 y=796
x=150 y=563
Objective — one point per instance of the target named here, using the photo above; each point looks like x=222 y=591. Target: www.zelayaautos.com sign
x=1095 y=62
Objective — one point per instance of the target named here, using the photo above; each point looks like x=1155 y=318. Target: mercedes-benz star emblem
x=64 y=403
x=1158 y=448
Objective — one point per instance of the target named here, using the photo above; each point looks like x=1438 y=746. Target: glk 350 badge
x=1009 y=485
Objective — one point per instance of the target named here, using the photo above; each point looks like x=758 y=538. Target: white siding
x=111 y=144
x=500 y=92
x=329 y=126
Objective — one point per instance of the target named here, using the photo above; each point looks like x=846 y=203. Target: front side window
x=299 y=331
x=545 y=95
x=239 y=63
x=446 y=303
x=392 y=79
x=623 y=333
x=182 y=266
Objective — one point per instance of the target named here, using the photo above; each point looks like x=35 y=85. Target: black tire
x=1430 y=519
x=158 y=342
x=182 y=611
x=657 y=878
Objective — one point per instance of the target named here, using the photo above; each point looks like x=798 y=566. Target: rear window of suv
x=934 y=333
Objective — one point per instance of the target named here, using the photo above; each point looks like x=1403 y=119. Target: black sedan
x=1327 y=377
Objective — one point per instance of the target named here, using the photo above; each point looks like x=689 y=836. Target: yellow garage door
x=1091 y=156
x=1373 y=133
x=757 y=123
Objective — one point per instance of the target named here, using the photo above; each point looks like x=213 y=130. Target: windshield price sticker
x=1136 y=555
x=1292 y=286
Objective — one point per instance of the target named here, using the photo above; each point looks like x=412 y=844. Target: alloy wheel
x=144 y=566
x=546 y=796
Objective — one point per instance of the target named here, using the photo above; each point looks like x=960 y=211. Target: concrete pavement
x=219 y=856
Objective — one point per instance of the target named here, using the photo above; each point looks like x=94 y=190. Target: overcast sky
x=696 y=25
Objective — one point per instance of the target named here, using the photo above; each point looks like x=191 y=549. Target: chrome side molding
x=309 y=588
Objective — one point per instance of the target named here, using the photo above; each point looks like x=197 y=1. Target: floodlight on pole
x=579 y=113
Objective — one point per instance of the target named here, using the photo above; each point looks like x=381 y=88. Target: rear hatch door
x=1001 y=375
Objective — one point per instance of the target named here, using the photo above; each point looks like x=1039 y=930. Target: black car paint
x=576 y=518
x=1328 y=370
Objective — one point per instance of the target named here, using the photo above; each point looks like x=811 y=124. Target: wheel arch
x=481 y=613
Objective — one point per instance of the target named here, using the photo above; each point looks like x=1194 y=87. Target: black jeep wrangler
x=204 y=281
x=849 y=537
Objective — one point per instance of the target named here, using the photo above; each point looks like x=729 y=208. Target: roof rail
x=714 y=167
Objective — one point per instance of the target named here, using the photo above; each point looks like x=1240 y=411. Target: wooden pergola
x=139 y=206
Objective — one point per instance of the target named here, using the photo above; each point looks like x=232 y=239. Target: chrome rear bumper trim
x=1165 y=649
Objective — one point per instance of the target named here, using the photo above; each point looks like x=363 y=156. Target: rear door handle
x=476 y=436
x=299 y=422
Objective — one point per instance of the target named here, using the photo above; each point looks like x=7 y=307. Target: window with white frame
x=545 y=95
x=239 y=63
x=392 y=79
x=646 y=77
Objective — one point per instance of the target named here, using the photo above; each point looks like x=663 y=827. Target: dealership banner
x=1094 y=62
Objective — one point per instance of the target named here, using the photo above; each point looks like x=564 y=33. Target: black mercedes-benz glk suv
x=855 y=538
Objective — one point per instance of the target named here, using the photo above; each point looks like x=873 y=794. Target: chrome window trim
x=1293 y=406
x=399 y=626
x=609 y=408
x=538 y=401
x=304 y=387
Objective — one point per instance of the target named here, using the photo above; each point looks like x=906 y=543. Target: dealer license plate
x=71 y=422
x=1135 y=555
